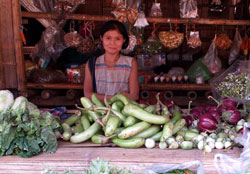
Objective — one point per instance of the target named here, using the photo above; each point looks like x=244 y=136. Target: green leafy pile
x=23 y=130
x=97 y=166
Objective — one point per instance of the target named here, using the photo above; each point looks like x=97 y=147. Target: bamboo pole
x=150 y=19
x=16 y=10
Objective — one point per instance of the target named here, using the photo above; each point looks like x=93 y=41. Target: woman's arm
x=88 y=87
x=133 y=92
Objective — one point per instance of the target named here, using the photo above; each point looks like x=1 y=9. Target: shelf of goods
x=77 y=156
x=201 y=21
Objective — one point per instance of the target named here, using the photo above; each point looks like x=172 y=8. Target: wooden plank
x=150 y=19
x=16 y=10
x=79 y=156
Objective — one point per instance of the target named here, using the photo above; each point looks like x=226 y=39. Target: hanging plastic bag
x=141 y=20
x=211 y=59
x=228 y=165
x=72 y=39
x=50 y=45
x=155 y=10
x=131 y=45
x=235 y=50
x=223 y=42
x=194 y=39
x=153 y=45
x=188 y=9
x=161 y=168
x=217 y=6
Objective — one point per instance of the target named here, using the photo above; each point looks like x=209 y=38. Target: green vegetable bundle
x=23 y=130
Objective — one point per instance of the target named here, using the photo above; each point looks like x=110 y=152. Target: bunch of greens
x=235 y=86
x=97 y=166
x=23 y=130
x=178 y=171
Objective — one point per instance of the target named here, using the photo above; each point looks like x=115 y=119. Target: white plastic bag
x=188 y=9
x=228 y=165
x=160 y=168
x=235 y=50
x=211 y=59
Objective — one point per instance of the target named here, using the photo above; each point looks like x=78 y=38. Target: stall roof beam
x=150 y=19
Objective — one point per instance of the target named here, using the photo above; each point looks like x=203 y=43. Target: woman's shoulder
x=127 y=59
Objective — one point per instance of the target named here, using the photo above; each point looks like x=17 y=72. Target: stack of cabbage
x=23 y=130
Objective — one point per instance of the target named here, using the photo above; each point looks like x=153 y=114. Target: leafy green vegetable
x=97 y=166
x=6 y=100
x=25 y=133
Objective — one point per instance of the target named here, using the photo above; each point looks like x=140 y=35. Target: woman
x=113 y=72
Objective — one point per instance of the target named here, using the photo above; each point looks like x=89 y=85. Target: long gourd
x=141 y=114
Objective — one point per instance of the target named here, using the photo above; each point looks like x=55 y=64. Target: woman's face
x=112 y=41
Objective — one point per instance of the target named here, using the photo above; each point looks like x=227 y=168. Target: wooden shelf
x=150 y=19
x=55 y=86
x=149 y=86
x=185 y=87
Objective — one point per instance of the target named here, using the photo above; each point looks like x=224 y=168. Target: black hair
x=116 y=25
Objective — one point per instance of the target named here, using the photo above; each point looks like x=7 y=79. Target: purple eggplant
x=231 y=115
x=207 y=123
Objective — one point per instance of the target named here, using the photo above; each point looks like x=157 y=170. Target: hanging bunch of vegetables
x=23 y=130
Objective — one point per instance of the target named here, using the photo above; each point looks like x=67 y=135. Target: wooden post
x=16 y=10
x=2 y=79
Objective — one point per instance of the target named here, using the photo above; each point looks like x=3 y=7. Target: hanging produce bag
x=188 y=9
x=211 y=59
x=155 y=10
x=194 y=39
x=72 y=39
x=235 y=50
x=223 y=42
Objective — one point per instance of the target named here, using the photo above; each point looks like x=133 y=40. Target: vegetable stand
x=78 y=156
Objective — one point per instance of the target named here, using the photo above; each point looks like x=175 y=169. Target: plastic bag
x=234 y=82
x=131 y=45
x=188 y=9
x=211 y=60
x=198 y=68
x=160 y=168
x=194 y=39
x=156 y=10
x=235 y=50
x=228 y=165
x=51 y=44
x=141 y=20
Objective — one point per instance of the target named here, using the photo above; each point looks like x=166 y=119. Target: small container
x=173 y=78
x=185 y=78
x=199 y=80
